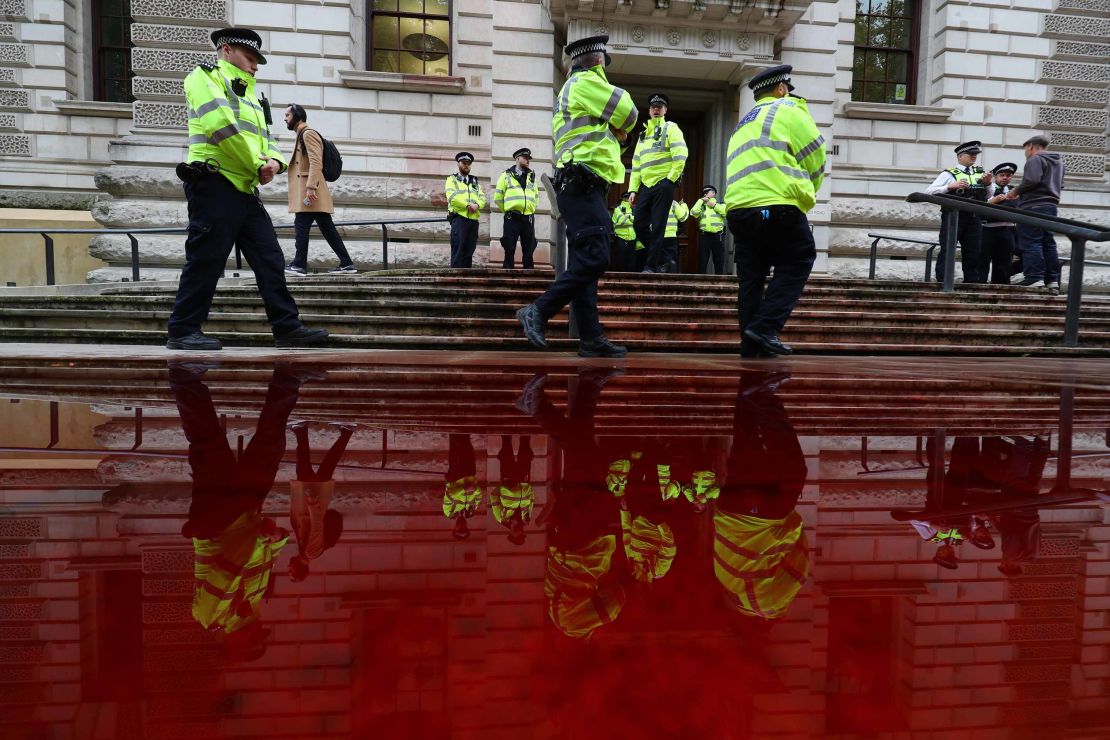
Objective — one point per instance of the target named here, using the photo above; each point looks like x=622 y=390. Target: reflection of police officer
x=966 y=181
x=465 y=201
x=776 y=162
x=231 y=153
x=591 y=118
x=517 y=195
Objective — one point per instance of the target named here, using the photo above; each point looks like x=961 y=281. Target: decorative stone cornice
x=14 y=54
x=677 y=41
x=895 y=112
x=14 y=10
x=181 y=37
x=1086 y=97
x=369 y=80
x=94 y=108
x=1075 y=73
x=15 y=145
x=1078 y=27
x=1084 y=165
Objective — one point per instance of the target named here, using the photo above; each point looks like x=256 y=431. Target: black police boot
x=302 y=337
x=769 y=342
x=600 y=347
x=533 y=324
x=195 y=341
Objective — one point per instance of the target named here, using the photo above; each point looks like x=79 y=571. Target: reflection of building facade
x=400 y=629
x=402 y=85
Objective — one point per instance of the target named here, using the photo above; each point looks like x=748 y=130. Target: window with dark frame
x=409 y=36
x=112 y=51
x=883 y=65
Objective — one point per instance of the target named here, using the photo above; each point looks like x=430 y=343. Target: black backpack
x=333 y=162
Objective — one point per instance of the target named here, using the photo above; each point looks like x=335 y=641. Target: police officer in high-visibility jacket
x=465 y=201
x=711 y=216
x=623 y=257
x=657 y=164
x=677 y=214
x=517 y=195
x=231 y=153
x=776 y=162
x=591 y=119
x=970 y=181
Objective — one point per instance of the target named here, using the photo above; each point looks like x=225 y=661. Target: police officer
x=517 y=195
x=465 y=201
x=966 y=181
x=677 y=214
x=776 y=162
x=231 y=153
x=591 y=118
x=711 y=222
x=624 y=238
x=657 y=164
x=999 y=237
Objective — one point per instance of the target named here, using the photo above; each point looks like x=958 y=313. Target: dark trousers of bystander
x=1039 y=258
x=302 y=227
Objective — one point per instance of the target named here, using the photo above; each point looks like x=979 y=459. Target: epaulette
x=207 y=66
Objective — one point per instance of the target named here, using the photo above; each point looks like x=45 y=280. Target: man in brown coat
x=309 y=197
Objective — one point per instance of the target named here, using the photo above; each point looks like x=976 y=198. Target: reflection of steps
x=684 y=313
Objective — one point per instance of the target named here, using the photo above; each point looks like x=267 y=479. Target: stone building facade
x=997 y=71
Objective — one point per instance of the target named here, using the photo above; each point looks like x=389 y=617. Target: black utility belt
x=718 y=233
x=193 y=171
x=511 y=215
x=577 y=179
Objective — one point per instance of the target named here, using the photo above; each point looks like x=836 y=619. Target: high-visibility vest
x=580 y=598
x=231 y=572
x=776 y=156
x=508 y=500
x=648 y=547
x=711 y=216
x=227 y=127
x=947 y=536
x=622 y=221
x=462 y=191
x=668 y=488
x=617 y=478
x=462 y=496
x=508 y=195
x=661 y=152
x=762 y=563
x=970 y=186
x=584 y=110
x=703 y=487
x=679 y=212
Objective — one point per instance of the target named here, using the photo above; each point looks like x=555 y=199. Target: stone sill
x=895 y=112
x=96 y=108
x=367 y=80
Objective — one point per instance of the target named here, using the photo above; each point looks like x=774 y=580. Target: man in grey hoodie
x=1039 y=192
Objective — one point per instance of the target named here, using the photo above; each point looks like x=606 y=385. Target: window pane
x=436 y=7
x=900 y=34
x=901 y=8
x=386 y=61
x=875 y=66
x=439 y=37
x=386 y=5
x=115 y=64
x=385 y=33
x=110 y=7
x=441 y=66
x=874 y=92
x=857 y=66
x=878 y=7
x=880 y=32
x=861 y=30
x=896 y=67
x=857 y=90
x=411 y=64
x=412 y=6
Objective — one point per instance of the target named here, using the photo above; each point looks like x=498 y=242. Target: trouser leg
x=793 y=260
x=302 y=226
x=1032 y=252
x=304 y=454
x=752 y=267
x=456 y=241
x=1049 y=253
x=259 y=245
x=335 y=241
x=469 y=243
x=510 y=232
x=527 y=242
x=335 y=454
x=719 y=254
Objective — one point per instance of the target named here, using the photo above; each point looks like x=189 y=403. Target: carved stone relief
x=166 y=61
x=1092 y=165
x=1075 y=72
x=202 y=10
x=1079 y=26
x=20 y=99
x=1071 y=118
x=23 y=528
x=13 y=54
x=7 y=77
x=1062 y=140
x=7 y=30
x=1085 y=96
x=14 y=9
x=1083 y=51
x=149 y=114
x=193 y=37
x=1094 y=6
x=157 y=87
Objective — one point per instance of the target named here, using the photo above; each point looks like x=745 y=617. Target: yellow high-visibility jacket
x=776 y=156
x=660 y=152
x=711 y=216
x=622 y=221
x=462 y=496
x=679 y=212
x=226 y=127
x=584 y=110
x=508 y=195
x=462 y=191
x=762 y=563
x=580 y=598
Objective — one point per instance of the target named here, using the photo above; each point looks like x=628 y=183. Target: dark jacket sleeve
x=1031 y=175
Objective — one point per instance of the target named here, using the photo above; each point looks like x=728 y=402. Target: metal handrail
x=888 y=237
x=1077 y=231
x=130 y=234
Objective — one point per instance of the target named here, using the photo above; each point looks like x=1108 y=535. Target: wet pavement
x=416 y=545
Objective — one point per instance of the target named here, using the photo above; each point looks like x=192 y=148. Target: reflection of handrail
x=130 y=234
x=918 y=450
x=994 y=507
x=1079 y=233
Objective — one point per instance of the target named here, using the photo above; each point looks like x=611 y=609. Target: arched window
x=883 y=68
x=410 y=36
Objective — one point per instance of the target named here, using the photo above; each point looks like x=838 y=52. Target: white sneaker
x=1053 y=288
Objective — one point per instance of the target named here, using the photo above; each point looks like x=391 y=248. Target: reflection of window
x=885 y=48
x=112 y=50
x=410 y=36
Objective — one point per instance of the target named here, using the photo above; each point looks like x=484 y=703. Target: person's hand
x=311 y=196
x=986 y=179
x=1012 y=195
x=267 y=171
x=621 y=135
x=471 y=207
x=955 y=185
x=631 y=199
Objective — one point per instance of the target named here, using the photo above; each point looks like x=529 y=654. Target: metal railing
x=48 y=240
x=1077 y=231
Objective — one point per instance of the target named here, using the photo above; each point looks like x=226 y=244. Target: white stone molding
x=96 y=108
x=641 y=37
x=371 y=80
x=895 y=112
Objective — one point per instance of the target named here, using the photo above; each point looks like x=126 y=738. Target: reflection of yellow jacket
x=703 y=487
x=232 y=572
x=763 y=563
x=462 y=496
x=505 y=501
x=579 y=596
x=649 y=547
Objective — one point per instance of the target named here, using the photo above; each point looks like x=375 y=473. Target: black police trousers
x=622 y=255
x=588 y=228
x=968 y=235
x=464 y=240
x=649 y=219
x=221 y=216
x=770 y=238
x=518 y=226
x=996 y=253
x=711 y=245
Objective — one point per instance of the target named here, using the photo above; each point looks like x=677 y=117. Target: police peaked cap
x=464 y=155
x=970 y=147
x=659 y=98
x=707 y=188
x=771 y=77
x=1004 y=167
x=239 y=37
x=589 y=45
x=523 y=152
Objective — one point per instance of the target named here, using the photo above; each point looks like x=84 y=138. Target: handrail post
x=49 y=245
x=951 y=221
x=385 y=247
x=238 y=257
x=1075 y=292
x=874 y=257
x=134 y=257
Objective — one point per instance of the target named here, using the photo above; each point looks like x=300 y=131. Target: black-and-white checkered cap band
x=774 y=80
x=237 y=41
x=589 y=49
